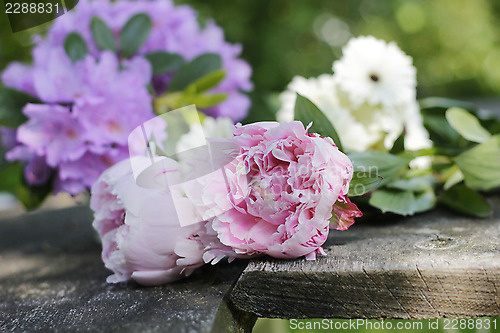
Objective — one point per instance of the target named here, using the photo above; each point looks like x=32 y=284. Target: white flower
x=367 y=116
x=375 y=72
x=320 y=90
x=359 y=129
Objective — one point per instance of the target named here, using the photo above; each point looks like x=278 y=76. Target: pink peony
x=270 y=189
x=284 y=184
x=141 y=236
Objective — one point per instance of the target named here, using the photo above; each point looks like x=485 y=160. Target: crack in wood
x=496 y=296
x=423 y=294
x=367 y=296
x=328 y=292
x=444 y=291
x=390 y=292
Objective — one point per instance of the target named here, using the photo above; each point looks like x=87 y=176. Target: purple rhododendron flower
x=175 y=29
x=89 y=107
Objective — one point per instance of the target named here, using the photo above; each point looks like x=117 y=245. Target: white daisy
x=371 y=117
x=375 y=72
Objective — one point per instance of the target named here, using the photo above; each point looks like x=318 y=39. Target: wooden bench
x=432 y=265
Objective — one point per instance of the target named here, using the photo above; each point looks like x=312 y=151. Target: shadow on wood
x=52 y=277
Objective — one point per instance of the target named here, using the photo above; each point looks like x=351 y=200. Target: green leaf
x=424 y=201
x=481 y=165
x=194 y=70
x=467 y=125
x=207 y=82
x=402 y=202
x=414 y=184
x=307 y=112
x=11 y=106
x=164 y=62
x=446 y=140
x=11 y=175
x=379 y=163
x=103 y=36
x=363 y=182
x=33 y=196
x=466 y=201
x=453 y=176
x=393 y=201
x=172 y=101
x=75 y=47
x=134 y=34
x=491 y=124
x=445 y=103
x=399 y=144
x=204 y=101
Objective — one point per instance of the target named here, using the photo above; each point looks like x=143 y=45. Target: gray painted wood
x=428 y=266
x=52 y=279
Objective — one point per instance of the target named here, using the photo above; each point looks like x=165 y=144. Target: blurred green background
x=455 y=44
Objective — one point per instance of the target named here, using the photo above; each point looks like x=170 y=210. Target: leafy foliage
x=363 y=182
x=307 y=112
x=103 y=36
x=164 y=62
x=467 y=125
x=194 y=70
x=195 y=78
x=134 y=34
x=75 y=46
x=379 y=163
x=465 y=200
x=11 y=105
x=402 y=202
x=481 y=165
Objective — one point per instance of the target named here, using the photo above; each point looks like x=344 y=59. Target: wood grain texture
x=52 y=279
x=432 y=265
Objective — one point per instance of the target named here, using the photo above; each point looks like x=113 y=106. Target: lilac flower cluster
x=89 y=107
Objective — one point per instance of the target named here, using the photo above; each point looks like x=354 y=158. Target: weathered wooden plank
x=427 y=266
x=52 y=279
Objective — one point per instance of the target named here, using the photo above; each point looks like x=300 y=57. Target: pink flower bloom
x=141 y=238
x=284 y=185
